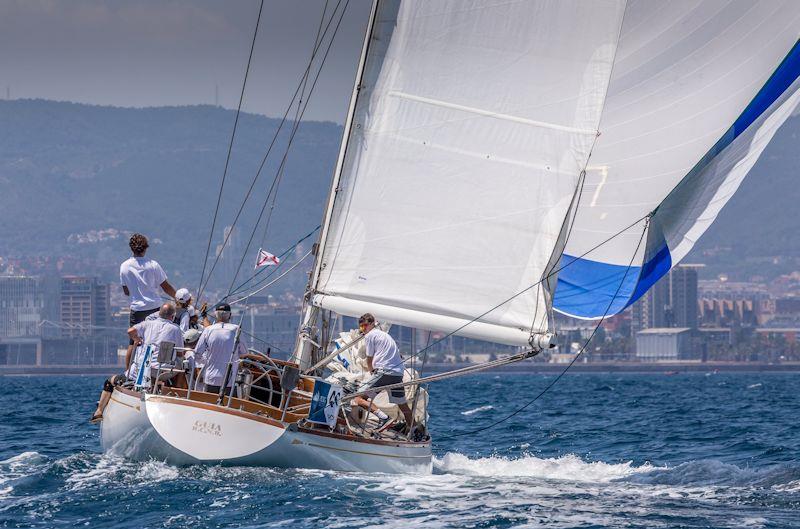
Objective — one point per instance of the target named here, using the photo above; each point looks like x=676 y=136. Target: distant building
x=671 y=302
x=664 y=344
x=85 y=306
x=21 y=304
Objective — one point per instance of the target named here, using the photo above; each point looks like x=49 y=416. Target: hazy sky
x=174 y=52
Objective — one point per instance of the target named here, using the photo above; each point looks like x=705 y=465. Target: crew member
x=184 y=309
x=152 y=332
x=141 y=278
x=216 y=348
x=386 y=366
x=148 y=332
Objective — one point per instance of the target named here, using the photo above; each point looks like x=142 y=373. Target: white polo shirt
x=213 y=350
x=143 y=277
x=383 y=350
x=153 y=332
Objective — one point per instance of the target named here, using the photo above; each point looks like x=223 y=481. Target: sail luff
x=304 y=342
x=326 y=221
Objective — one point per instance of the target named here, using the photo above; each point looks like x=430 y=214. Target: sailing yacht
x=501 y=161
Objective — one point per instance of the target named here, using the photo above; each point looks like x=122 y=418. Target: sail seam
x=491 y=114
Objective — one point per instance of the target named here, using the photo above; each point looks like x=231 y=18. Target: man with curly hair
x=141 y=278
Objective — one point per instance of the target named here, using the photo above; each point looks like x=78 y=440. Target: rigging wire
x=272 y=143
x=317 y=41
x=230 y=150
x=295 y=265
x=577 y=355
x=548 y=276
x=289 y=143
x=244 y=285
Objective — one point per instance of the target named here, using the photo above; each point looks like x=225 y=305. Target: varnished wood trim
x=127 y=391
x=125 y=403
x=219 y=409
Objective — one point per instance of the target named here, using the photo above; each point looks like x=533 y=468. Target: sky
x=176 y=52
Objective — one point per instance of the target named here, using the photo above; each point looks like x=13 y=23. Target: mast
x=305 y=338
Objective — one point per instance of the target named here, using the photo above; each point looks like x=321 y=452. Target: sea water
x=613 y=450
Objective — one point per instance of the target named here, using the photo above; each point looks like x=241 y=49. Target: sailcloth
x=472 y=125
x=489 y=137
x=698 y=90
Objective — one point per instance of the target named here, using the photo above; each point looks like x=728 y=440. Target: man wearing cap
x=184 y=309
x=215 y=347
x=141 y=278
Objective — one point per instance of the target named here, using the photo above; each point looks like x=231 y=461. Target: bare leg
x=407 y=414
x=105 y=396
x=364 y=403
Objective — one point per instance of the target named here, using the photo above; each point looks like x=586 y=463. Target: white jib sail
x=473 y=123
x=698 y=89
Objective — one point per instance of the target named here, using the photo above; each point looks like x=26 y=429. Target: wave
x=477 y=410
x=568 y=467
x=703 y=473
x=711 y=472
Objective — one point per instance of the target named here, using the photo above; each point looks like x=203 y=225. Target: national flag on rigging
x=266 y=259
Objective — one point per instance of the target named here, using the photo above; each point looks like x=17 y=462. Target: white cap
x=191 y=336
x=183 y=295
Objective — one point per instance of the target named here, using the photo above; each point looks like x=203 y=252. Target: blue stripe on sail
x=776 y=85
x=585 y=287
x=781 y=79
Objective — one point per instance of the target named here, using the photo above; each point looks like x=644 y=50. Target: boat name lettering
x=209 y=428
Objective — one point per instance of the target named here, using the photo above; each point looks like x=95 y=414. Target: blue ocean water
x=613 y=450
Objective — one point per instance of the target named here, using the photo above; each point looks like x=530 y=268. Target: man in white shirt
x=387 y=368
x=141 y=278
x=152 y=331
x=183 y=302
x=215 y=347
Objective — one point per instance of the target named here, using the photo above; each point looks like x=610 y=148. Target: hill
x=74 y=179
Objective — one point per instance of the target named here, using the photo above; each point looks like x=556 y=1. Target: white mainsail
x=471 y=129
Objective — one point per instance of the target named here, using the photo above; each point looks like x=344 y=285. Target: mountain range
x=75 y=179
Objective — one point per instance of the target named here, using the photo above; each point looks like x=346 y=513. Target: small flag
x=266 y=259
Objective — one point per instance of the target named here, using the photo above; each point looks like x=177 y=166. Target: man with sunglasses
x=386 y=366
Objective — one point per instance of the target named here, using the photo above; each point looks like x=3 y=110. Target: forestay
x=698 y=90
x=472 y=126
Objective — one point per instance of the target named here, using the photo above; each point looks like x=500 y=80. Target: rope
x=449 y=374
x=286 y=252
x=272 y=143
x=230 y=150
x=289 y=143
x=317 y=42
x=548 y=276
x=578 y=354
x=273 y=281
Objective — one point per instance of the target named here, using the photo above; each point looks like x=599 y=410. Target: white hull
x=187 y=432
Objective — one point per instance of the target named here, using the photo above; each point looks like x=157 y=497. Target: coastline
x=656 y=368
